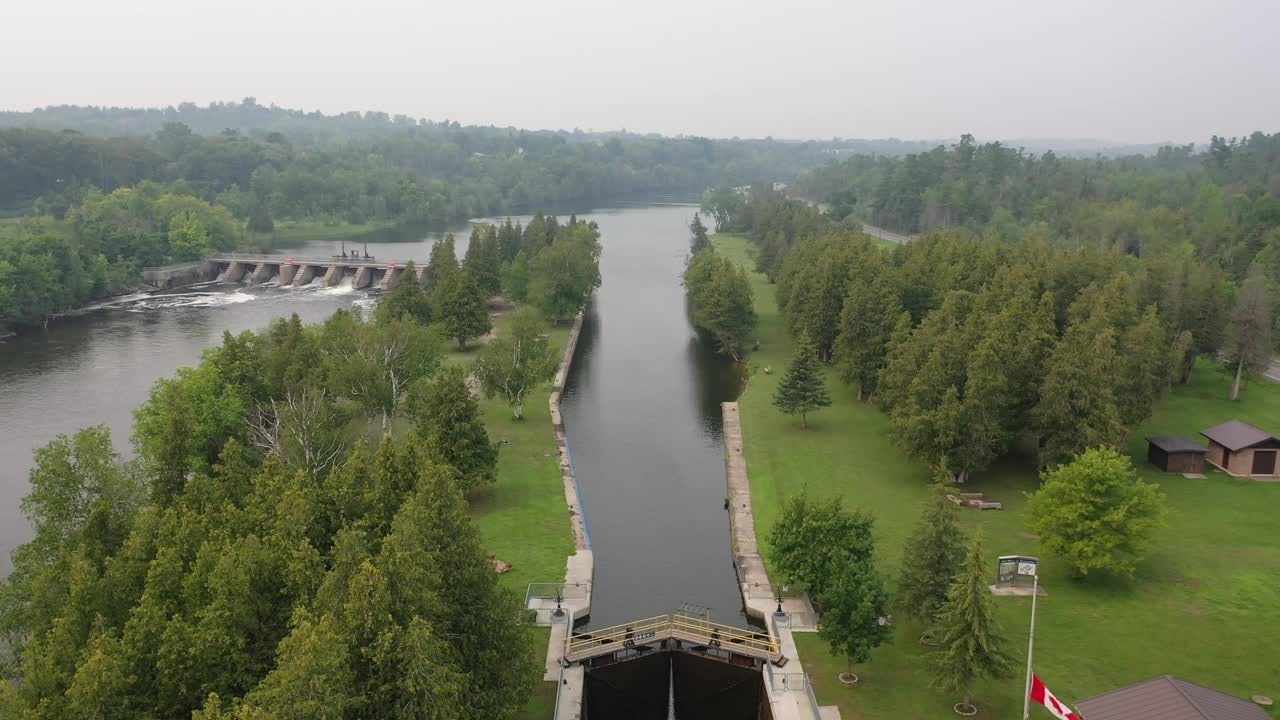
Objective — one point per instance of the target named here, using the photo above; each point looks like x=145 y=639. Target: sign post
x=1029 y=566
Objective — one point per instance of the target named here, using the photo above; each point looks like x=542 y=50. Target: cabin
x=1242 y=450
x=1176 y=454
x=1168 y=698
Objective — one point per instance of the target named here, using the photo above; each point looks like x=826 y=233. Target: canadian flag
x=1041 y=694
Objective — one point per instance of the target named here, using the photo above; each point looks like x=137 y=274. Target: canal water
x=641 y=405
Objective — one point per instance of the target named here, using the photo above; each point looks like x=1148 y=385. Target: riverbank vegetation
x=277 y=530
x=1206 y=588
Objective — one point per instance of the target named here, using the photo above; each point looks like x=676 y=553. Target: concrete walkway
x=579 y=568
x=790 y=694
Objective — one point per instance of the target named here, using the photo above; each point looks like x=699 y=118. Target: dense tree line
x=48 y=267
x=1222 y=200
x=719 y=295
x=261 y=560
x=267 y=162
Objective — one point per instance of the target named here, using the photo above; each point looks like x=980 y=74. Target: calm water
x=641 y=405
x=642 y=409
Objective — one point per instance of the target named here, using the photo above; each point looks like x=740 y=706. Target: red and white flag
x=1041 y=694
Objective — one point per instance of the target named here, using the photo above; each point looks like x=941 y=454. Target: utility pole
x=1031 y=641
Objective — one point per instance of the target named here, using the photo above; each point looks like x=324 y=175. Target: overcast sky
x=1122 y=70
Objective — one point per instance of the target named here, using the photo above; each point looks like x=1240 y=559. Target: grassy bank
x=1204 y=606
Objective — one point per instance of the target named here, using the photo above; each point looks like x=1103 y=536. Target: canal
x=641 y=404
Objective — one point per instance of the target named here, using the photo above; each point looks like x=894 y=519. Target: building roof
x=1168 y=698
x=1173 y=444
x=1236 y=435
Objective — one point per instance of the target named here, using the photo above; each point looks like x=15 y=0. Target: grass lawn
x=1204 y=606
x=522 y=517
x=542 y=703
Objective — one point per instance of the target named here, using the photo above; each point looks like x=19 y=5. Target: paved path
x=790 y=694
x=1272 y=372
x=883 y=234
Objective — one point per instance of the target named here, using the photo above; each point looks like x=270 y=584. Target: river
x=641 y=405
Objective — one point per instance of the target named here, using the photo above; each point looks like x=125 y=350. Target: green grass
x=542 y=703
x=1205 y=605
x=522 y=517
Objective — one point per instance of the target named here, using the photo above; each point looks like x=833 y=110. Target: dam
x=233 y=268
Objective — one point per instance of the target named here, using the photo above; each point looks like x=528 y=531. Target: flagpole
x=1031 y=641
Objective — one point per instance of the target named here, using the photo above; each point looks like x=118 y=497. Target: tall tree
x=855 y=605
x=461 y=308
x=484 y=259
x=563 y=275
x=699 y=239
x=442 y=263
x=812 y=541
x=447 y=417
x=1096 y=513
x=867 y=319
x=720 y=301
x=515 y=279
x=803 y=389
x=517 y=361
x=1249 y=345
x=408 y=298
x=970 y=641
x=932 y=557
x=1077 y=408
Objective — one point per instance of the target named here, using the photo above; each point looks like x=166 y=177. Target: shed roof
x=1236 y=435
x=1168 y=698
x=1174 y=444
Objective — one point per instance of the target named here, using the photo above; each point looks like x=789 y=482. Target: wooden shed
x=1240 y=449
x=1176 y=454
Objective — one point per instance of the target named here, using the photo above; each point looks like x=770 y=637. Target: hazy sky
x=1125 y=70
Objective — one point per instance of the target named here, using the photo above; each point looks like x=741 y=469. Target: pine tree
x=932 y=557
x=448 y=418
x=515 y=279
x=699 y=241
x=970 y=641
x=484 y=260
x=1077 y=408
x=460 y=307
x=803 y=389
x=442 y=263
x=866 y=322
x=1249 y=346
x=407 y=298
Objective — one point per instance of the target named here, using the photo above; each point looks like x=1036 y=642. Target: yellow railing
x=676 y=625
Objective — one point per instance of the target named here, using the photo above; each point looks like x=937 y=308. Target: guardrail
x=579 y=646
x=287 y=260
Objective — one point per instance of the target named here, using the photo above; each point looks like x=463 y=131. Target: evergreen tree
x=932 y=557
x=970 y=641
x=509 y=237
x=1077 y=408
x=1249 y=345
x=720 y=301
x=1144 y=367
x=447 y=417
x=442 y=263
x=517 y=361
x=699 y=240
x=408 y=298
x=484 y=260
x=515 y=279
x=461 y=309
x=867 y=319
x=1096 y=513
x=803 y=389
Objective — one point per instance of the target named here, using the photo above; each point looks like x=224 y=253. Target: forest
x=1220 y=201
x=976 y=345
x=279 y=549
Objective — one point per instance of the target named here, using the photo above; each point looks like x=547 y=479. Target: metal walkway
x=681 y=627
